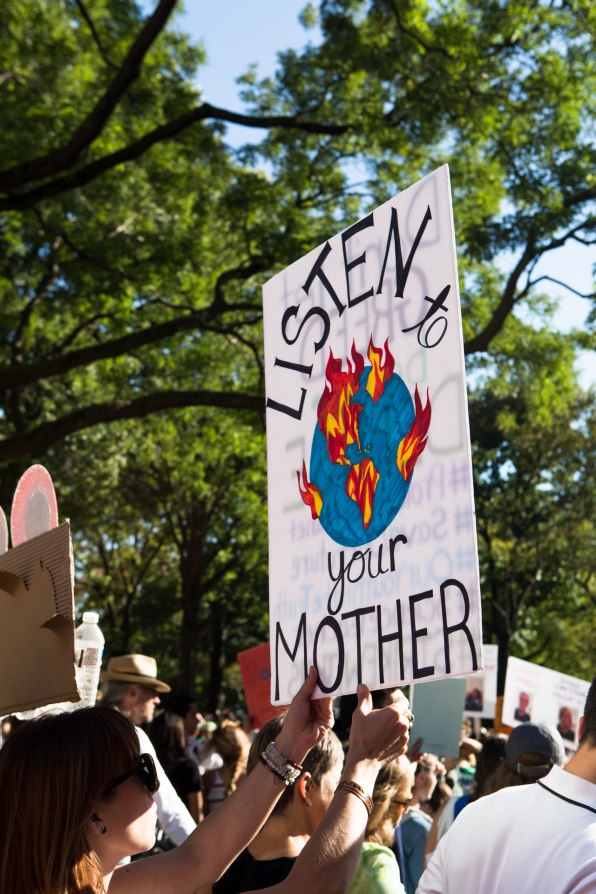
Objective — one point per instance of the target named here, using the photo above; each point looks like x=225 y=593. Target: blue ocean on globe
x=382 y=426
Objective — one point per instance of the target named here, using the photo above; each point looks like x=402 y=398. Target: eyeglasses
x=145 y=770
x=152 y=693
x=403 y=804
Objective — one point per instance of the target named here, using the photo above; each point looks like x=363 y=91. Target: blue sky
x=238 y=33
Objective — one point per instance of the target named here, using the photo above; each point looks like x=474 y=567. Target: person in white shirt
x=130 y=684
x=527 y=838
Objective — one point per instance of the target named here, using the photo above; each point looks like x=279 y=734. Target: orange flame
x=380 y=373
x=414 y=442
x=310 y=493
x=361 y=485
x=337 y=416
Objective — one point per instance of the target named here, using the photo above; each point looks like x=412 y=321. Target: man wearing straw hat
x=130 y=685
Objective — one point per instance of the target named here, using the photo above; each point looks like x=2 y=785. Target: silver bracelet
x=275 y=761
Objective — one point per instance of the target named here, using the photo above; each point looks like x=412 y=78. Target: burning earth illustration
x=368 y=437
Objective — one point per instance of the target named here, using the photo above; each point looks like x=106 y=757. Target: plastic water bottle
x=89 y=643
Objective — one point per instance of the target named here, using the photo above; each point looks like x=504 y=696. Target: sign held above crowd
x=373 y=563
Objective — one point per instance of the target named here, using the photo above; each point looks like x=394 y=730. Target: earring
x=103 y=830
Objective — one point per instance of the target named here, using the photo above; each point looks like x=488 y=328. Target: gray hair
x=112 y=693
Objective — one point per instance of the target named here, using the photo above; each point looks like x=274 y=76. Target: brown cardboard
x=37 y=623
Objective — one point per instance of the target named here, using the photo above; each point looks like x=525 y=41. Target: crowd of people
x=323 y=797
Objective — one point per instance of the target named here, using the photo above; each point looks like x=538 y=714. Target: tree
x=134 y=243
x=170 y=538
x=533 y=450
x=127 y=229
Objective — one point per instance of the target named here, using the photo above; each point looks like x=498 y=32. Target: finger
x=309 y=684
x=364 y=698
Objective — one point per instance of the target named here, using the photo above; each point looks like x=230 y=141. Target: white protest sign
x=545 y=696
x=481 y=687
x=373 y=564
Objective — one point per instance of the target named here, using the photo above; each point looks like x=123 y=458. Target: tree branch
x=20 y=201
x=91 y=127
x=39 y=439
x=13 y=376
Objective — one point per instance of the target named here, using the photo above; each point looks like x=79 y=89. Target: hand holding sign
x=307 y=721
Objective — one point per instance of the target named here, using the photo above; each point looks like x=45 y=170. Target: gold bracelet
x=357 y=790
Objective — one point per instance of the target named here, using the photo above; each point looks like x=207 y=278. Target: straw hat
x=140 y=669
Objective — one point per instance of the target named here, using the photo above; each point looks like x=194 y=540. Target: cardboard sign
x=373 y=563
x=37 y=623
x=545 y=696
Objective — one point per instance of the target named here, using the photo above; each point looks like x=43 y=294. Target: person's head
x=186 y=707
x=488 y=760
x=168 y=735
x=425 y=777
x=440 y=794
x=321 y=770
x=64 y=807
x=232 y=744
x=391 y=795
x=587 y=723
x=531 y=750
x=524 y=701
x=130 y=684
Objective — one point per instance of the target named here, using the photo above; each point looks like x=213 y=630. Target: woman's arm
x=216 y=842
x=327 y=863
x=328 y=860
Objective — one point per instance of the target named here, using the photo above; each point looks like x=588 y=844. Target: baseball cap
x=534 y=738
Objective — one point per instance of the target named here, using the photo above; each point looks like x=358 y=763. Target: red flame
x=380 y=373
x=414 y=442
x=310 y=493
x=360 y=487
x=337 y=415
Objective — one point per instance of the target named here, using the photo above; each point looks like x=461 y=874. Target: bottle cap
x=90 y=617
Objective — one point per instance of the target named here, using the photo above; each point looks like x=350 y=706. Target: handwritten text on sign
x=373 y=562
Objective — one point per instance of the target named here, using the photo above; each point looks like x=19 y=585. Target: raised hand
x=379 y=734
x=307 y=721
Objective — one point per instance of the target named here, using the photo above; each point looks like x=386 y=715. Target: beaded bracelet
x=357 y=790
x=280 y=766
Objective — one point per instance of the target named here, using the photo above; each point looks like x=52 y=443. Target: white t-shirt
x=529 y=839
x=172 y=814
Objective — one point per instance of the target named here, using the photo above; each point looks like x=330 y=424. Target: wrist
x=290 y=749
x=363 y=771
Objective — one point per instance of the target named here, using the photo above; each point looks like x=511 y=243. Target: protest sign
x=36 y=601
x=481 y=687
x=373 y=563
x=545 y=696
x=438 y=709
x=255 y=668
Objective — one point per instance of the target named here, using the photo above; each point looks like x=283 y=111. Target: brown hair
x=321 y=758
x=393 y=782
x=504 y=776
x=53 y=773
x=232 y=744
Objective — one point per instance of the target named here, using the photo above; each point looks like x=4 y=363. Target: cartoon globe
x=368 y=437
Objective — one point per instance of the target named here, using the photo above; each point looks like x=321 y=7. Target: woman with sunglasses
x=77 y=799
x=378 y=871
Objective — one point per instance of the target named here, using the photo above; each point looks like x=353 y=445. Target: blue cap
x=534 y=738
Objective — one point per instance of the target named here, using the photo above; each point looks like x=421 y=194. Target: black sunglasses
x=145 y=770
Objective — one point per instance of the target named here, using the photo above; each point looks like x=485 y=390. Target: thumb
x=364 y=698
